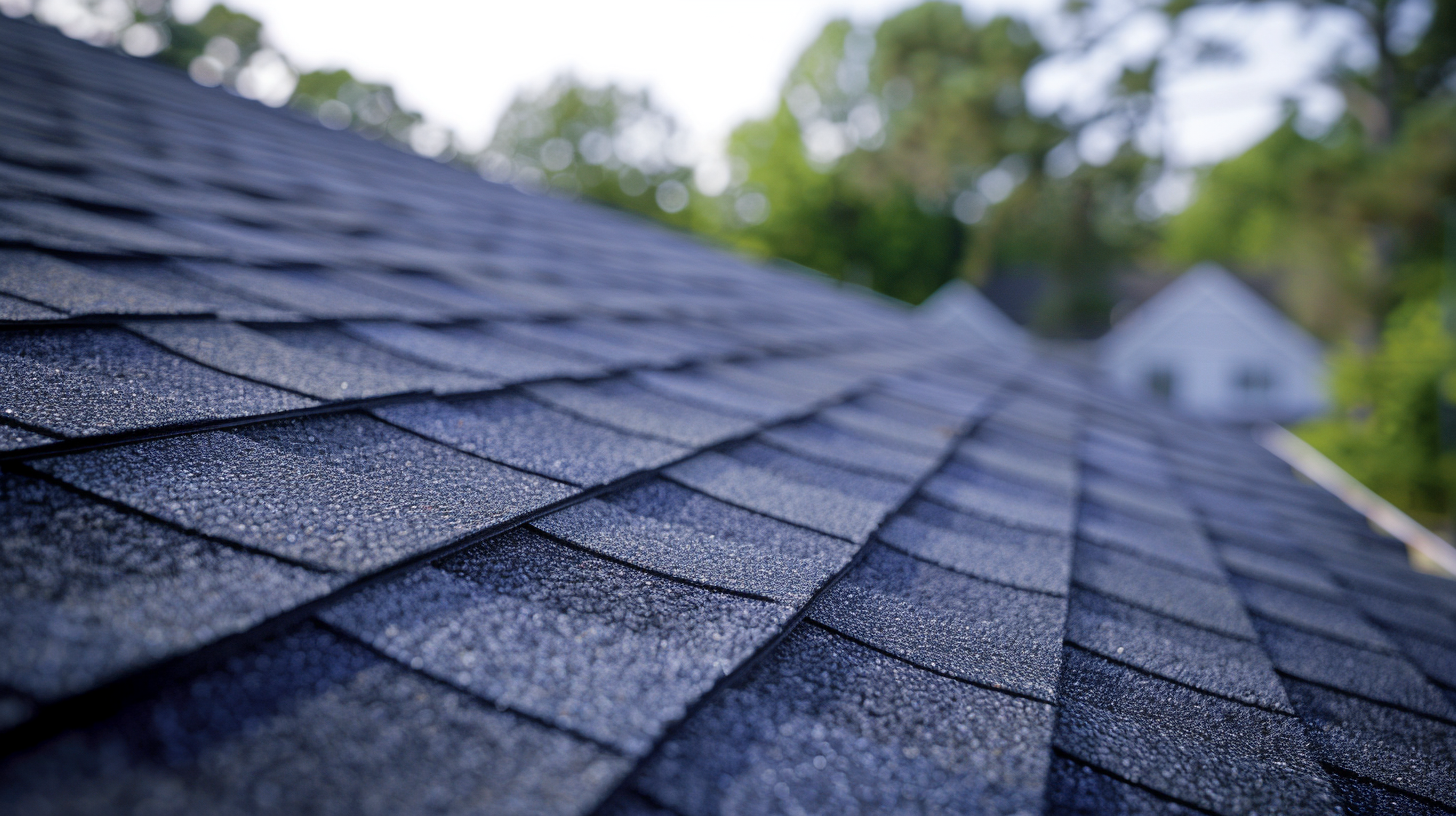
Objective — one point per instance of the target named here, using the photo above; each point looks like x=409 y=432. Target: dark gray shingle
x=344 y=492
x=311 y=723
x=977 y=631
x=523 y=433
x=83 y=382
x=827 y=726
x=595 y=647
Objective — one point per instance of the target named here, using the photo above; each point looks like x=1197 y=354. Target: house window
x=1160 y=382
x=1254 y=382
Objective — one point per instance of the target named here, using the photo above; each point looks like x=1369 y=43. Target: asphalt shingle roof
x=335 y=480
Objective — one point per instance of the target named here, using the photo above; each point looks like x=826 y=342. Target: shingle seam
x=862 y=470
x=1065 y=754
x=933 y=563
x=248 y=378
x=1159 y=562
x=1161 y=613
x=27 y=470
x=1178 y=484
x=768 y=646
x=969 y=512
x=653 y=800
x=1327 y=635
x=90 y=705
x=525 y=715
x=93 y=704
x=811 y=621
x=799 y=524
x=100 y=441
x=1166 y=679
x=740 y=593
x=1425 y=715
x=1337 y=770
x=99 y=321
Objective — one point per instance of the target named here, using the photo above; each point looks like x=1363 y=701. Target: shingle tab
x=596 y=647
x=1213 y=753
x=1185 y=654
x=1377 y=675
x=966 y=544
x=669 y=529
x=1001 y=501
x=309 y=368
x=985 y=633
x=1077 y=789
x=311 y=723
x=93 y=591
x=1180 y=546
x=475 y=351
x=624 y=405
x=316 y=294
x=827 y=726
x=706 y=386
x=1182 y=597
x=524 y=433
x=82 y=382
x=817 y=508
x=818 y=440
x=1394 y=747
x=15 y=309
x=344 y=492
x=1331 y=618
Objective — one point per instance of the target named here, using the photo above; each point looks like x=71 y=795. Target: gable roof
x=960 y=307
x=339 y=481
x=1210 y=291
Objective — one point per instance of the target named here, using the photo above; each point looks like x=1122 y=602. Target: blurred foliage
x=606 y=143
x=903 y=157
x=187 y=41
x=1386 y=424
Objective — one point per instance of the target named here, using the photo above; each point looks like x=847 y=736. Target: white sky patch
x=714 y=64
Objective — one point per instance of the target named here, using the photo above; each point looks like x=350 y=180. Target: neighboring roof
x=339 y=481
x=1208 y=289
x=960 y=307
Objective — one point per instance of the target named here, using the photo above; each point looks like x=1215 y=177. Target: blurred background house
x=1209 y=346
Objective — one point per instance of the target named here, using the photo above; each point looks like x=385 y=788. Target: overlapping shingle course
x=340 y=481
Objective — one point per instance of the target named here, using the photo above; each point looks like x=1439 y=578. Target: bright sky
x=714 y=63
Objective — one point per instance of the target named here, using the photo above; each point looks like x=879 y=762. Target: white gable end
x=1213 y=348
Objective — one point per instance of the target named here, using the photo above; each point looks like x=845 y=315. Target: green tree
x=1386 y=426
x=606 y=143
x=903 y=157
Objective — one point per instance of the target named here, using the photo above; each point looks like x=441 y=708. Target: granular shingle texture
x=337 y=480
x=311 y=723
x=342 y=492
x=597 y=648
x=828 y=726
x=83 y=382
x=93 y=591
x=977 y=631
x=523 y=433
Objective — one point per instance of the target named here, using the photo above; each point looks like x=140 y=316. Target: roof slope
x=338 y=481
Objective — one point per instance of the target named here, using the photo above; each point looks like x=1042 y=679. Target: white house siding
x=1231 y=356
